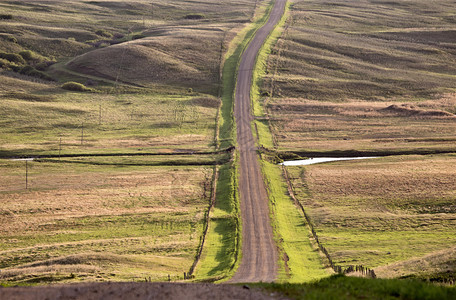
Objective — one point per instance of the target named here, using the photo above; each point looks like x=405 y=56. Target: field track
x=259 y=253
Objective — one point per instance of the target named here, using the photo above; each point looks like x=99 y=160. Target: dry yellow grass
x=92 y=191
x=364 y=75
x=367 y=50
x=169 y=38
x=319 y=125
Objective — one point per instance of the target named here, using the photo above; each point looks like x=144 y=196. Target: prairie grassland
x=360 y=125
x=105 y=122
x=364 y=75
x=383 y=210
x=368 y=50
x=147 y=60
x=155 y=72
x=166 y=42
x=97 y=222
x=179 y=56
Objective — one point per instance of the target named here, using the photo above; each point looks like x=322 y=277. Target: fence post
x=26 y=174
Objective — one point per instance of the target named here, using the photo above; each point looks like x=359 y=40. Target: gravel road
x=259 y=253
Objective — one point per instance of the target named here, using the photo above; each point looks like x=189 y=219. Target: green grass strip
x=220 y=252
x=304 y=262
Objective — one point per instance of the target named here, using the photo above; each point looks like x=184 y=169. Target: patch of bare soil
x=128 y=291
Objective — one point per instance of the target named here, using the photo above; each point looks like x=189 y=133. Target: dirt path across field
x=259 y=253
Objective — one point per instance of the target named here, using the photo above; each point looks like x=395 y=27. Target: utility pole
x=99 y=116
x=60 y=147
x=82 y=133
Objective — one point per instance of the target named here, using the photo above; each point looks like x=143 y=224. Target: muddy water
x=319 y=160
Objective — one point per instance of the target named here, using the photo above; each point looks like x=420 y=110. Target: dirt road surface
x=259 y=253
x=128 y=291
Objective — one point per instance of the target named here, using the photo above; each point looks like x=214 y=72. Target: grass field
x=358 y=125
x=382 y=211
x=364 y=75
x=151 y=73
x=107 y=45
x=102 y=122
x=148 y=44
x=99 y=222
x=369 y=76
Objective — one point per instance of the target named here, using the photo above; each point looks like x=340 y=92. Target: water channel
x=318 y=160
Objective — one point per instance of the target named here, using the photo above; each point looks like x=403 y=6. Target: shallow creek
x=318 y=160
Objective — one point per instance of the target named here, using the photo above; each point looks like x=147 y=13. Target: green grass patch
x=342 y=287
x=103 y=123
x=220 y=252
x=375 y=248
x=264 y=134
x=76 y=87
x=292 y=234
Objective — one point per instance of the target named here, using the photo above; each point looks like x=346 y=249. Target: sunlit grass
x=292 y=233
x=76 y=122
